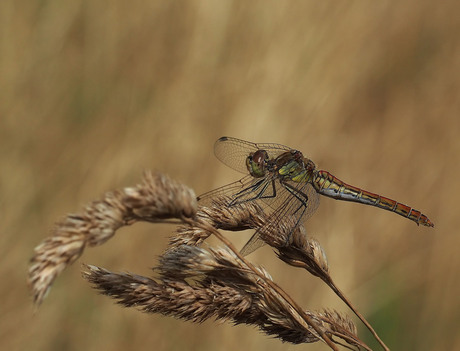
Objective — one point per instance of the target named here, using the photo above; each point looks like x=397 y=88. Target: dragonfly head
x=256 y=163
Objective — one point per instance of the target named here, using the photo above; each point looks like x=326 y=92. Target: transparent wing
x=300 y=193
x=280 y=200
x=293 y=201
x=233 y=152
x=247 y=189
x=227 y=190
x=253 y=244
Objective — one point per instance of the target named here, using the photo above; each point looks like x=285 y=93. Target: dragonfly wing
x=291 y=198
x=233 y=152
x=252 y=245
x=272 y=148
x=246 y=189
x=228 y=190
x=290 y=207
x=302 y=191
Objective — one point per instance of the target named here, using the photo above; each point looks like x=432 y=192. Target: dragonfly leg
x=273 y=194
x=303 y=198
x=245 y=191
x=252 y=188
x=296 y=193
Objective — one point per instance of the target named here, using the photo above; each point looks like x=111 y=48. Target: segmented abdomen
x=329 y=185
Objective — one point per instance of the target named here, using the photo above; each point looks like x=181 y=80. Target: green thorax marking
x=296 y=168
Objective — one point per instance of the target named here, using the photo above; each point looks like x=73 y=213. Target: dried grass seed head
x=155 y=199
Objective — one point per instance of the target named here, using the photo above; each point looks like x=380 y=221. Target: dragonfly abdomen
x=329 y=185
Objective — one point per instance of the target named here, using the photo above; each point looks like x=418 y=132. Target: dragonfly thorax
x=294 y=166
x=256 y=163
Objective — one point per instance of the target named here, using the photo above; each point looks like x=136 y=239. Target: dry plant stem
x=298 y=255
x=275 y=287
x=339 y=293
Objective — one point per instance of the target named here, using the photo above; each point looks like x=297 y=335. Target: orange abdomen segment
x=329 y=185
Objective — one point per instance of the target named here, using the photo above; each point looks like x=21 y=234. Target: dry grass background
x=92 y=93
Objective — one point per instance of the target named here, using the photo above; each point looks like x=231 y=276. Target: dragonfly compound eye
x=256 y=163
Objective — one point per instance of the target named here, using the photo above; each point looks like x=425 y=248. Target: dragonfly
x=287 y=183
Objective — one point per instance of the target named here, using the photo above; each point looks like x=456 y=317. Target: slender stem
x=332 y=285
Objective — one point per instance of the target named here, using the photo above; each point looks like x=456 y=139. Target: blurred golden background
x=92 y=93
